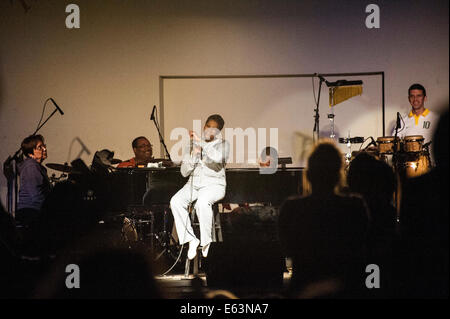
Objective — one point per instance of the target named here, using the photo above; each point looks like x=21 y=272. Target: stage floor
x=177 y=286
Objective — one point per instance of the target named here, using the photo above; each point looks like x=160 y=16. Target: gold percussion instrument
x=386 y=144
x=414 y=164
x=414 y=160
x=413 y=143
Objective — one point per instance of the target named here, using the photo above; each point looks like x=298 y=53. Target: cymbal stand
x=165 y=237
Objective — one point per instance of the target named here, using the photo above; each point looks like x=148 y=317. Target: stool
x=216 y=237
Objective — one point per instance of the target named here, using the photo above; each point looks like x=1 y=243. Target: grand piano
x=156 y=186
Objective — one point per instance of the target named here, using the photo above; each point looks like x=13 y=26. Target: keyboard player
x=143 y=154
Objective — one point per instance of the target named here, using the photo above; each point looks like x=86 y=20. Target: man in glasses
x=143 y=153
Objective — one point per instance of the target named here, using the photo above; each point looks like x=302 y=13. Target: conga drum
x=386 y=144
x=413 y=143
x=417 y=166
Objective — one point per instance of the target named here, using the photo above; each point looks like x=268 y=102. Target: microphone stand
x=161 y=139
x=395 y=156
x=316 y=110
x=396 y=170
x=11 y=173
x=48 y=118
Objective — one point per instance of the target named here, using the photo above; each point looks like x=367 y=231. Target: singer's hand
x=194 y=136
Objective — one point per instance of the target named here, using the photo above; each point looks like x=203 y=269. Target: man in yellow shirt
x=419 y=120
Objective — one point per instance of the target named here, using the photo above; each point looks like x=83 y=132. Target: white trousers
x=206 y=197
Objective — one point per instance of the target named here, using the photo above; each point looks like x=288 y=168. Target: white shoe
x=192 y=252
x=205 y=250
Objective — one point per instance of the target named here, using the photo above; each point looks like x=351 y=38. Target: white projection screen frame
x=257 y=103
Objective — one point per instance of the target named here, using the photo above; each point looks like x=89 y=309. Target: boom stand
x=397 y=174
x=161 y=139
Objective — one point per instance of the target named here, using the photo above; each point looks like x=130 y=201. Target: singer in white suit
x=205 y=166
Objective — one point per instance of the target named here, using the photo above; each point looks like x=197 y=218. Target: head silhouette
x=372 y=178
x=324 y=168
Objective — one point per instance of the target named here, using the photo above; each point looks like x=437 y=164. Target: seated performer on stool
x=206 y=168
x=143 y=154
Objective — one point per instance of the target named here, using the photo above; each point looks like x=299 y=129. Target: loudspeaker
x=250 y=254
x=238 y=264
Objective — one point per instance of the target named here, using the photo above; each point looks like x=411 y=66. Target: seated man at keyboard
x=143 y=154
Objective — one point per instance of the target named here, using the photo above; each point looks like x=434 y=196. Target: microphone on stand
x=56 y=105
x=322 y=79
x=398 y=120
x=373 y=142
x=152 y=117
x=427 y=144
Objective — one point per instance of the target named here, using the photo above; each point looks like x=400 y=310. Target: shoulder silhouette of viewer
x=324 y=232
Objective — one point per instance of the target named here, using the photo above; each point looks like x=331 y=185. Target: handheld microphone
x=56 y=105
x=152 y=117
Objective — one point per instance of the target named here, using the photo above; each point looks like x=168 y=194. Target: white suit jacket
x=209 y=167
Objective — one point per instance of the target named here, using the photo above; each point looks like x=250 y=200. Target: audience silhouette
x=325 y=232
x=376 y=182
x=422 y=263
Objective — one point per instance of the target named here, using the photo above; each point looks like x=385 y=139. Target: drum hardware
x=138 y=225
x=53 y=179
x=165 y=238
x=331 y=117
x=372 y=143
x=65 y=168
x=349 y=141
x=136 y=229
x=427 y=145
